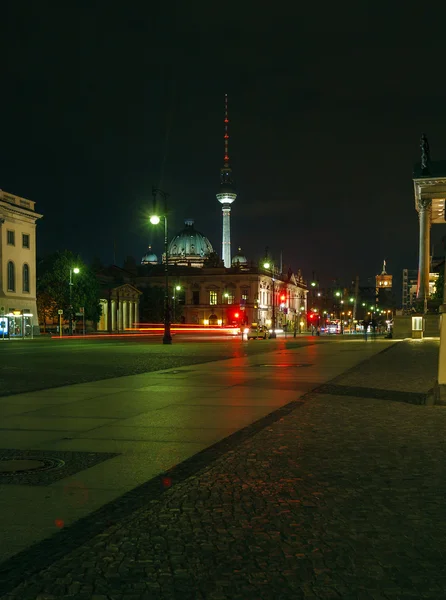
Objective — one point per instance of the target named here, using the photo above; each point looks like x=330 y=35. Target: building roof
x=149 y=257
x=239 y=258
x=436 y=168
x=189 y=243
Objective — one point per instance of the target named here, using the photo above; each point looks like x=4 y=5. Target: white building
x=18 y=266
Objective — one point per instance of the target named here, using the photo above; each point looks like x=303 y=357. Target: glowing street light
x=76 y=271
x=155 y=220
x=267 y=265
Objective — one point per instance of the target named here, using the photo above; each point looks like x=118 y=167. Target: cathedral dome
x=189 y=246
x=150 y=258
x=239 y=258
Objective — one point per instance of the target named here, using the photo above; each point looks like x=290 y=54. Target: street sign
x=60 y=311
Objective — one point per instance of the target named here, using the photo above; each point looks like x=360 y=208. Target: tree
x=152 y=304
x=213 y=260
x=46 y=307
x=53 y=280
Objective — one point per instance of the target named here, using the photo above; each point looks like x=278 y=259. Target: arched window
x=11 y=276
x=25 y=278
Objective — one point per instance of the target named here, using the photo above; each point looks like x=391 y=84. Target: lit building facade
x=236 y=296
x=18 y=311
x=384 y=280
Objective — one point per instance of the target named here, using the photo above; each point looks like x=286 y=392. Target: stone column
x=424 y=214
x=120 y=315
x=113 y=315
x=131 y=313
x=124 y=314
x=136 y=313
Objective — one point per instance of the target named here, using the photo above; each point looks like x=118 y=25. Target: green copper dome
x=149 y=258
x=189 y=245
x=239 y=258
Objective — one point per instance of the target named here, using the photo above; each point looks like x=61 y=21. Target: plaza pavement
x=333 y=495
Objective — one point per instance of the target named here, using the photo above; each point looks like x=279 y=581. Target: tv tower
x=226 y=195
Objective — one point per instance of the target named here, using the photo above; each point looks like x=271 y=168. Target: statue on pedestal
x=425 y=152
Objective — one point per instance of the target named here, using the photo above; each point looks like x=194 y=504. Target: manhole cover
x=28 y=465
x=13 y=466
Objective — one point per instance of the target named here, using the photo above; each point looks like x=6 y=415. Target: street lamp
x=176 y=288
x=74 y=270
x=155 y=220
x=269 y=266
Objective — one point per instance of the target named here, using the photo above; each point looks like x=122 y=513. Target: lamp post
x=155 y=220
x=270 y=266
x=176 y=288
x=74 y=270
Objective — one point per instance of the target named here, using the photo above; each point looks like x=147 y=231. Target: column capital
x=424 y=203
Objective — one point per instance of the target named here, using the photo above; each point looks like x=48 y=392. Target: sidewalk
x=331 y=496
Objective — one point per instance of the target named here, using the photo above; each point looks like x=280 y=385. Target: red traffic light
x=236 y=315
x=283 y=297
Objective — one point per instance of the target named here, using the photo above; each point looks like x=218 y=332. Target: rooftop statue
x=425 y=152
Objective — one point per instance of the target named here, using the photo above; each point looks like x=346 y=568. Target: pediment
x=126 y=291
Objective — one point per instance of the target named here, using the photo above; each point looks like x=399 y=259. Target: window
x=25 y=240
x=212 y=297
x=229 y=297
x=196 y=297
x=10 y=237
x=244 y=297
x=11 y=276
x=26 y=278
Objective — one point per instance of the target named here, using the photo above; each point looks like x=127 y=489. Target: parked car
x=257 y=332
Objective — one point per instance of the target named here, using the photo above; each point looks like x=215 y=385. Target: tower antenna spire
x=226 y=136
x=226 y=194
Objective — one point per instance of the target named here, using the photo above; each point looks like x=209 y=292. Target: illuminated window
x=245 y=298
x=212 y=297
x=26 y=278
x=229 y=297
x=11 y=276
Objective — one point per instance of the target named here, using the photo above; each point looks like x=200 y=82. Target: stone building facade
x=18 y=308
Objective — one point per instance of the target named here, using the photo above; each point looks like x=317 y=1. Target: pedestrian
x=366 y=326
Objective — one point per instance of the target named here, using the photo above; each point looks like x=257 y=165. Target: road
x=29 y=365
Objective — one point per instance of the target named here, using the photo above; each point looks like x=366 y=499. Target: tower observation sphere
x=226 y=194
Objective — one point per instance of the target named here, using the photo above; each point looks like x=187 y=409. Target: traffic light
x=283 y=298
x=236 y=315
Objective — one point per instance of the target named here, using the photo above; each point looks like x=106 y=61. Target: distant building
x=410 y=283
x=235 y=296
x=384 y=280
x=18 y=310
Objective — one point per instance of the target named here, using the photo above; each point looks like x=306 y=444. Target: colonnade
x=120 y=315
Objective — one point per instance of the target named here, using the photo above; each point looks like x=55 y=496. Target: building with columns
x=18 y=266
x=119 y=301
x=429 y=180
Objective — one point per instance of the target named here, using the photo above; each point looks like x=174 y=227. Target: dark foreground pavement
x=339 y=496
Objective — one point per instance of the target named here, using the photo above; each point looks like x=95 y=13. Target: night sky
x=326 y=110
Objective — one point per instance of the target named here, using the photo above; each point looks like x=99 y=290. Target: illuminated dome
x=189 y=247
x=239 y=258
x=150 y=258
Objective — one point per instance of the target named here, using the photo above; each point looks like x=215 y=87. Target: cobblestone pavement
x=343 y=497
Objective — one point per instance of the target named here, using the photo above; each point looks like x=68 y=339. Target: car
x=257 y=332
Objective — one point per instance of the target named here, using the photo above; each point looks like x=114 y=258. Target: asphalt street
x=38 y=364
